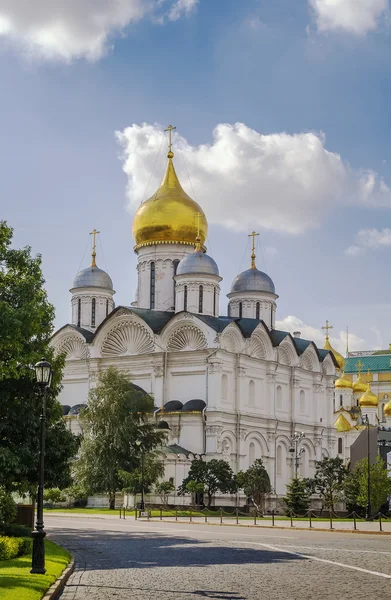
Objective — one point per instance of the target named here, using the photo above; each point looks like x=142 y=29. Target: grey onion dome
x=198 y=263
x=92 y=277
x=253 y=280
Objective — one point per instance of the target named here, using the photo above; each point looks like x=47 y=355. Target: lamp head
x=43 y=373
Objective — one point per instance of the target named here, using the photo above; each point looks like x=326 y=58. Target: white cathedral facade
x=230 y=387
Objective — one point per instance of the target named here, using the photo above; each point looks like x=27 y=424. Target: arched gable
x=124 y=334
x=328 y=366
x=258 y=437
x=186 y=332
x=70 y=342
x=231 y=339
x=309 y=359
x=260 y=343
x=286 y=352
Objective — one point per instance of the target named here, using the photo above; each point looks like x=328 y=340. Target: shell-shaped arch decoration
x=73 y=347
x=127 y=338
x=257 y=347
x=230 y=340
x=187 y=337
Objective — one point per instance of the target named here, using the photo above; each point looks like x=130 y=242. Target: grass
x=16 y=581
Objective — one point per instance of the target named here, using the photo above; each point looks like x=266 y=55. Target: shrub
x=26 y=546
x=54 y=496
x=15 y=530
x=11 y=547
x=8 y=508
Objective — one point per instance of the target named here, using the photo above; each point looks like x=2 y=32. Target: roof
x=342 y=424
x=88 y=335
x=175 y=449
x=376 y=363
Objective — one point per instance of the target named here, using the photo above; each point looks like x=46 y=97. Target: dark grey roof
x=75 y=410
x=172 y=406
x=65 y=409
x=163 y=425
x=253 y=280
x=197 y=263
x=175 y=449
x=88 y=335
x=195 y=405
x=92 y=277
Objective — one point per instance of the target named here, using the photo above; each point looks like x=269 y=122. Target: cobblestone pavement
x=153 y=561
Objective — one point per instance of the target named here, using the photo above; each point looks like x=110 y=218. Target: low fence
x=236 y=516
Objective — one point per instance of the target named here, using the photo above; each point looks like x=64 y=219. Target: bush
x=54 y=496
x=26 y=546
x=15 y=530
x=11 y=547
x=8 y=508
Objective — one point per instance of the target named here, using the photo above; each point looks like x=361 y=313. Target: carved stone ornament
x=271 y=436
x=213 y=429
x=122 y=312
x=242 y=434
x=188 y=316
x=296 y=383
x=158 y=370
x=317 y=388
x=215 y=367
x=241 y=372
x=174 y=431
x=271 y=377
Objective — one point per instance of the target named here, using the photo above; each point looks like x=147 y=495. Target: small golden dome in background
x=338 y=357
x=359 y=385
x=343 y=382
x=170 y=216
x=387 y=409
x=369 y=398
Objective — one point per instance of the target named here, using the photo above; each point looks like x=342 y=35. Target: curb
x=57 y=587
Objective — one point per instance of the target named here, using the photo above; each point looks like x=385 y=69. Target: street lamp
x=43 y=376
x=368 y=511
x=296 y=439
x=142 y=503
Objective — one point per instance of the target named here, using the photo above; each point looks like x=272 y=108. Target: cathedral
x=229 y=387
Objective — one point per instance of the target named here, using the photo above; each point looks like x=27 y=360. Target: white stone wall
x=192 y=283
x=104 y=304
x=249 y=302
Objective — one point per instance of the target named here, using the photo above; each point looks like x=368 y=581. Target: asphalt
x=117 y=559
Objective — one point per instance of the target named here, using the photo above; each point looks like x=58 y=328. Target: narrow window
x=201 y=299
x=339 y=445
x=257 y=310
x=240 y=310
x=251 y=393
x=251 y=453
x=107 y=307
x=214 y=302
x=229 y=310
x=152 y=293
x=340 y=400
x=175 y=265
x=302 y=402
x=185 y=298
x=279 y=461
x=279 y=397
x=93 y=312
x=224 y=387
x=78 y=312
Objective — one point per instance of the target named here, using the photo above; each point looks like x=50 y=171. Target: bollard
x=255 y=517
x=124 y=513
x=331 y=520
x=273 y=518
x=291 y=520
x=120 y=515
x=176 y=514
x=310 y=516
x=191 y=516
x=221 y=516
x=237 y=516
x=161 y=513
x=206 y=517
x=354 y=520
x=135 y=513
x=148 y=514
x=380 y=523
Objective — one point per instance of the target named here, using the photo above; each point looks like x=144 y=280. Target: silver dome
x=197 y=263
x=92 y=277
x=253 y=280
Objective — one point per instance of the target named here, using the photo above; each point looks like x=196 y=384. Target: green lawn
x=16 y=581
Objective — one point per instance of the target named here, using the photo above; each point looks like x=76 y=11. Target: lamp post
x=294 y=449
x=142 y=503
x=368 y=511
x=43 y=375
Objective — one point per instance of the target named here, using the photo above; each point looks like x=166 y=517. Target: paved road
x=166 y=561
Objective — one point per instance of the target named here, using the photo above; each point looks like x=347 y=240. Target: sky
x=282 y=116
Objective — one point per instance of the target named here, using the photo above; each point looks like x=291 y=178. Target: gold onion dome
x=338 y=357
x=369 y=398
x=170 y=216
x=343 y=382
x=387 y=409
x=359 y=386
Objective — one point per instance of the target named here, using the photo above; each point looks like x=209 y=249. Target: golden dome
x=387 y=409
x=342 y=424
x=343 y=382
x=170 y=216
x=369 y=398
x=359 y=385
x=338 y=357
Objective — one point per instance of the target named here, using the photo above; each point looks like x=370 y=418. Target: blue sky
x=311 y=86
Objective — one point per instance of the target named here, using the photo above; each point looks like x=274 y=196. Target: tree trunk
x=111 y=500
x=209 y=499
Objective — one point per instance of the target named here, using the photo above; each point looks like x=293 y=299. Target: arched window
x=302 y=402
x=229 y=310
x=224 y=387
x=78 y=312
x=152 y=287
x=214 y=301
x=107 y=307
x=251 y=393
x=279 y=397
x=240 y=310
x=279 y=461
x=251 y=454
x=257 y=310
x=340 y=441
x=175 y=267
x=201 y=299
x=93 y=312
x=185 y=298
x=340 y=400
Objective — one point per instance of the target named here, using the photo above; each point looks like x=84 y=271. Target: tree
x=26 y=324
x=328 y=482
x=152 y=469
x=255 y=483
x=297 y=499
x=164 y=489
x=215 y=475
x=380 y=487
x=115 y=419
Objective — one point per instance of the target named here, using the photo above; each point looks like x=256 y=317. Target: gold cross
x=94 y=233
x=170 y=129
x=253 y=235
x=359 y=365
x=198 y=238
x=327 y=327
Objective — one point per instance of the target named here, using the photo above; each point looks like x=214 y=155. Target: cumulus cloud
x=292 y=324
x=370 y=239
x=278 y=181
x=69 y=29
x=357 y=17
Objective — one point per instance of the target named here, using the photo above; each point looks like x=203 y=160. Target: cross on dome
x=94 y=233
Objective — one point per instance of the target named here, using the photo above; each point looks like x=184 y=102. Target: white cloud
x=69 y=29
x=370 y=239
x=357 y=17
x=279 y=181
x=316 y=335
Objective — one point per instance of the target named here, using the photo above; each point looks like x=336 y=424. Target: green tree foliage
x=54 y=495
x=380 y=487
x=164 y=489
x=297 y=499
x=215 y=475
x=255 y=483
x=329 y=480
x=116 y=418
x=151 y=466
x=26 y=323
x=7 y=507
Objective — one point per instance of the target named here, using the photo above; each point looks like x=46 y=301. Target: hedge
x=11 y=547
